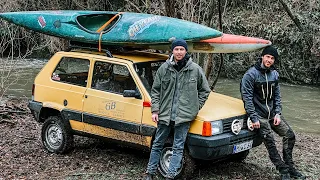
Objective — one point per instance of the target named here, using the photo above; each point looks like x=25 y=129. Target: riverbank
x=23 y=157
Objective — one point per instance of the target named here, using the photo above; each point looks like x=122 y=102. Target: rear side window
x=112 y=78
x=72 y=71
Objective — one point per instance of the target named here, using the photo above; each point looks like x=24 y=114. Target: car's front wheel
x=187 y=166
x=56 y=136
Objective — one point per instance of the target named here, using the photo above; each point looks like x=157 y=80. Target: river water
x=301 y=104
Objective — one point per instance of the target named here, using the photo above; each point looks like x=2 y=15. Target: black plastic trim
x=218 y=146
x=71 y=115
x=35 y=108
x=147 y=130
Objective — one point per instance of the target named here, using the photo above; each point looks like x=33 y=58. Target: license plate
x=242 y=147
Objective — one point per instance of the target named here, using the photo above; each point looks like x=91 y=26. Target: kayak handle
x=107 y=23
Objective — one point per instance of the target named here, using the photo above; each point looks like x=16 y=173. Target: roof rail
x=106 y=48
x=88 y=46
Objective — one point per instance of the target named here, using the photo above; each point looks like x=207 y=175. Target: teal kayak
x=110 y=27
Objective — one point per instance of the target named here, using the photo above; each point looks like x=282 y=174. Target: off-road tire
x=56 y=135
x=188 y=163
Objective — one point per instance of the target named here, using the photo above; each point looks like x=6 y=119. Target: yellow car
x=89 y=93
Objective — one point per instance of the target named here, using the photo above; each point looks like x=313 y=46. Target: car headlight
x=212 y=128
x=216 y=127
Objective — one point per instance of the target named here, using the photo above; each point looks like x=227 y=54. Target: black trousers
x=288 y=140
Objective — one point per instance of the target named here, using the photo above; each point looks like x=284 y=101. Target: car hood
x=219 y=107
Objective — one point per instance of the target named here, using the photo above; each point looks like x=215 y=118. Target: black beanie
x=271 y=51
x=179 y=42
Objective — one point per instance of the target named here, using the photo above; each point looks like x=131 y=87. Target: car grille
x=227 y=123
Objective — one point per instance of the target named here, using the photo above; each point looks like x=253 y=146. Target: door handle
x=85 y=96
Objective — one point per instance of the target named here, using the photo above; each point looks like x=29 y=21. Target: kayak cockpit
x=97 y=23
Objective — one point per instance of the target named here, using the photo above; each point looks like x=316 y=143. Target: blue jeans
x=180 y=135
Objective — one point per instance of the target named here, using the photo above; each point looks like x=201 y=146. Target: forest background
x=298 y=43
x=297 y=37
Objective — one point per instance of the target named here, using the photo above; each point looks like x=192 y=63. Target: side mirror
x=132 y=93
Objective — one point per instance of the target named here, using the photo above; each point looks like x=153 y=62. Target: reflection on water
x=301 y=104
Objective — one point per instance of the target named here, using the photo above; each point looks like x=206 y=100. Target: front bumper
x=218 y=146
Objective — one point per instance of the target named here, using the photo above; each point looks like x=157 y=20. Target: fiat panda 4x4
x=88 y=93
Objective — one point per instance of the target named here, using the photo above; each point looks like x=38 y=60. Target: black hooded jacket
x=260 y=92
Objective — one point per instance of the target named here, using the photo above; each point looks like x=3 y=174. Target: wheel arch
x=46 y=112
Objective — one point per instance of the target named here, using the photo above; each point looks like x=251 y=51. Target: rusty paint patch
x=76 y=125
x=114 y=134
x=146 y=141
x=202 y=46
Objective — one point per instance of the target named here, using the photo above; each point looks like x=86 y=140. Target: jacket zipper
x=267 y=96
x=271 y=92
x=263 y=94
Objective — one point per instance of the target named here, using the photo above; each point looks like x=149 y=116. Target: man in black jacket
x=260 y=92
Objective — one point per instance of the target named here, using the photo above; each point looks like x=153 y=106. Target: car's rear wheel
x=187 y=167
x=56 y=136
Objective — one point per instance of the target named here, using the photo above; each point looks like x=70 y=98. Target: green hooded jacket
x=193 y=91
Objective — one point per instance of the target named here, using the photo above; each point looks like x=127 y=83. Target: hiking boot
x=149 y=177
x=296 y=174
x=285 y=176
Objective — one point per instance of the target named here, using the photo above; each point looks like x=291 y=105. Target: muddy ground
x=23 y=157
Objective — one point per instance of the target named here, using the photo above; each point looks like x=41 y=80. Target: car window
x=147 y=72
x=112 y=78
x=72 y=71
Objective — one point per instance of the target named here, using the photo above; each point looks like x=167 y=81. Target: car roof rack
x=75 y=45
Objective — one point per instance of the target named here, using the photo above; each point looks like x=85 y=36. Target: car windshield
x=147 y=72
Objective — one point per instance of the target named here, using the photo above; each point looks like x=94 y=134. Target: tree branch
x=294 y=18
x=137 y=8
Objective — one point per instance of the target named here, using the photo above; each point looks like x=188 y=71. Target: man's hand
x=155 y=117
x=276 y=120
x=256 y=125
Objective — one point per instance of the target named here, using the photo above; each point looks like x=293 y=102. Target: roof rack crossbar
x=87 y=46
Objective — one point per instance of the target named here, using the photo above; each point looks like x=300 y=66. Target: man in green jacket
x=179 y=91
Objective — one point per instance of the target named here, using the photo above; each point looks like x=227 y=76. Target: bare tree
x=11 y=53
x=289 y=11
x=170 y=8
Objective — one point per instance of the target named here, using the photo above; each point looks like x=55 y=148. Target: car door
x=106 y=112
x=66 y=88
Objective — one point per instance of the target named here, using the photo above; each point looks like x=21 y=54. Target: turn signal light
x=206 y=129
x=146 y=104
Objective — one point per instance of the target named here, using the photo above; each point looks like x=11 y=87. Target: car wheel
x=56 y=136
x=185 y=171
